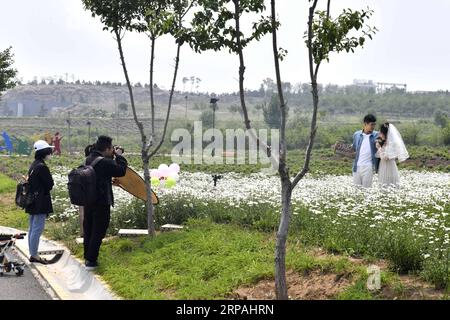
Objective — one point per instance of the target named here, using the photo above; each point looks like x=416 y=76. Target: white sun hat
x=41 y=144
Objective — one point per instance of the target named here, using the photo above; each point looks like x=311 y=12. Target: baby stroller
x=8 y=262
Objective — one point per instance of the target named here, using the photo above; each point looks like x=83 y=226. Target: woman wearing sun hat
x=41 y=182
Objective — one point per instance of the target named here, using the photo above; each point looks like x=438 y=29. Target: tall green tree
x=271 y=112
x=7 y=72
x=155 y=18
x=324 y=35
x=218 y=25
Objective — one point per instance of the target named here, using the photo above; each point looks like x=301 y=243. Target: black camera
x=119 y=148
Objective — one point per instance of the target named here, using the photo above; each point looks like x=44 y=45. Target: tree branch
x=328 y=9
x=152 y=101
x=177 y=60
x=273 y=159
x=313 y=74
x=130 y=89
x=282 y=169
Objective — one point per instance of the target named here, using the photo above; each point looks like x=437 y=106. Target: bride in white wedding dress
x=390 y=147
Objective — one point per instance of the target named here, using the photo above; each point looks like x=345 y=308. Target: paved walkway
x=25 y=287
x=67 y=278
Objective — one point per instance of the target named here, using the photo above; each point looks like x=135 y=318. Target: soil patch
x=314 y=285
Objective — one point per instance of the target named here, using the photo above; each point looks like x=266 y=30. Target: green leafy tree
x=271 y=112
x=123 y=107
x=207 y=118
x=441 y=118
x=324 y=35
x=446 y=135
x=156 y=18
x=7 y=72
x=217 y=26
x=410 y=134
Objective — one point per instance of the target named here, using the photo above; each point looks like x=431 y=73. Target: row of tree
x=82 y=82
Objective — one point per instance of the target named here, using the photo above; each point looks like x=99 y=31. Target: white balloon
x=174 y=175
x=163 y=166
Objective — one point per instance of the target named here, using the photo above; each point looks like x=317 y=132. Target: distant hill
x=92 y=100
x=99 y=100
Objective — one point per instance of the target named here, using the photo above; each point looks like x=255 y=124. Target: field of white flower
x=421 y=199
x=407 y=225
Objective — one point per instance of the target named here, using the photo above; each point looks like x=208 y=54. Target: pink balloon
x=164 y=172
x=175 y=167
x=154 y=173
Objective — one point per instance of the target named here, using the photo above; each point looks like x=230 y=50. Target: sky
x=55 y=37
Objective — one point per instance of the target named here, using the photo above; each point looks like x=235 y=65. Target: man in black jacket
x=97 y=216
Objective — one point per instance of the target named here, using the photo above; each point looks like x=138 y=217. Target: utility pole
x=117 y=118
x=213 y=104
x=68 y=123
x=89 y=132
x=186 y=98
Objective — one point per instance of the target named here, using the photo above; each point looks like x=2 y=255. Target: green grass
x=12 y=217
x=358 y=291
x=207 y=261
x=6 y=184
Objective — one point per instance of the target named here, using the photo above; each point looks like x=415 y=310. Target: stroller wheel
x=19 y=272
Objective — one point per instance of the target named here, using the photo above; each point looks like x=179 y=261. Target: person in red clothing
x=57 y=143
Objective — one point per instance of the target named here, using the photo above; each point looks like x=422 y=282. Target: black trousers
x=95 y=224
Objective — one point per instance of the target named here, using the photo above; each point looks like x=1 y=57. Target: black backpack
x=82 y=184
x=24 y=197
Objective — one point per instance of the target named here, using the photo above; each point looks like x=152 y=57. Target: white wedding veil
x=395 y=147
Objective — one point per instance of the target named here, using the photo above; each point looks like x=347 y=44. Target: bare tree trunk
x=313 y=75
x=145 y=146
x=241 y=63
x=145 y=157
x=274 y=160
x=286 y=188
x=146 y=161
x=280 y=249
x=149 y=204
x=130 y=89
x=152 y=101
x=172 y=90
x=328 y=9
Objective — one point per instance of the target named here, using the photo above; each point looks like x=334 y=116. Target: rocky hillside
x=99 y=100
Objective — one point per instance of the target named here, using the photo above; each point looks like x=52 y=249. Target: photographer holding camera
x=108 y=163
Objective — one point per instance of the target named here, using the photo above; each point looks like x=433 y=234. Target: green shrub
x=437 y=271
x=446 y=136
x=410 y=134
x=403 y=252
x=207 y=118
x=66 y=230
